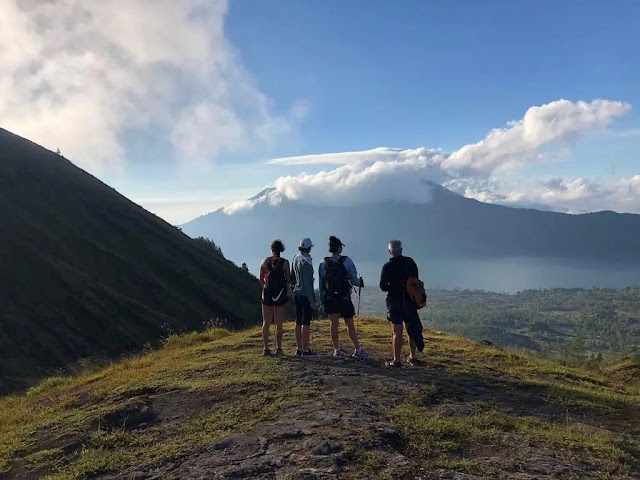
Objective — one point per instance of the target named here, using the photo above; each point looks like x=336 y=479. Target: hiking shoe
x=360 y=353
x=336 y=353
x=308 y=353
x=391 y=363
x=413 y=361
x=299 y=352
x=266 y=352
x=279 y=352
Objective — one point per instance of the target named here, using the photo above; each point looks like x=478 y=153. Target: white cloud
x=480 y=170
x=78 y=75
x=519 y=144
x=631 y=132
x=343 y=158
x=581 y=195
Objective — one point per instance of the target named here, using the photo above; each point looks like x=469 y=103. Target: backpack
x=415 y=290
x=276 y=285
x=336 y=279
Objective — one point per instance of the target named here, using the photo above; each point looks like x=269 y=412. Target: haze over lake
x=510 y=275
x=500 y=275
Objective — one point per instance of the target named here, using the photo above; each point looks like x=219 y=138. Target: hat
x=335 y=241
x=306 y=243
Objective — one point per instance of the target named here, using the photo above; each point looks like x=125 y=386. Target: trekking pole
x=360 y=285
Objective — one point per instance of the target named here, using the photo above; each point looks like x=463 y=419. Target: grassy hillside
x=209 y=406
x=87 y=273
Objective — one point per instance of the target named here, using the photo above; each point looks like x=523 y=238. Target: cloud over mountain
x=482 y=170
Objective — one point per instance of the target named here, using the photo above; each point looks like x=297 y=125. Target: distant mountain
x=449 y=226
x=86 y=272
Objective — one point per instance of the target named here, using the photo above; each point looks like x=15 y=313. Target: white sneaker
x=360 y=353
x=336 y=352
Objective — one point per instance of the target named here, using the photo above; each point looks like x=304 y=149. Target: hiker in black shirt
x=275 y=281
x=400 y=308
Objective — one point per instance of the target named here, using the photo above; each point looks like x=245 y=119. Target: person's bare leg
x=397 y=342
x=412 y=347
x=267 y=318
x=306 y=331
x=334 y=318
x=279 y=318
x=299 y=336
x=353 y=333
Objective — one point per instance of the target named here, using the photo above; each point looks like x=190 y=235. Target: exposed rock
x=130 y=416
x=327 y=448
x=451 y=409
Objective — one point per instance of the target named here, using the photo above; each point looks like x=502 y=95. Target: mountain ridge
x=88 y=273
x=450 y=225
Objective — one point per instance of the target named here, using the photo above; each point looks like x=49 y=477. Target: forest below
x=578 y=325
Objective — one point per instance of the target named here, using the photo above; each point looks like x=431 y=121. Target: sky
x=186 y=107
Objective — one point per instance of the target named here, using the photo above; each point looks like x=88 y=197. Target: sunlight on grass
x=225 y=367
x=192 y=362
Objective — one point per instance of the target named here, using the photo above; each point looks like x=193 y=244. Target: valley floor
x=209 y=406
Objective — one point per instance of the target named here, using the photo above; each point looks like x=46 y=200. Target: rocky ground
x=468 y=411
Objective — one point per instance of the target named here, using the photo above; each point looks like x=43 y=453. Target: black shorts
x=268 y=301
x=344 y=307
x=304 y=313
x=400 y=309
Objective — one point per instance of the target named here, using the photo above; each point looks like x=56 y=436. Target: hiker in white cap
x=304 y=295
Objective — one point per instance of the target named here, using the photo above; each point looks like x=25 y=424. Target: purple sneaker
x=360 y=353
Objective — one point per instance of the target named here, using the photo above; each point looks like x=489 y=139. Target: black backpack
x=275 y=288
x=336 y=279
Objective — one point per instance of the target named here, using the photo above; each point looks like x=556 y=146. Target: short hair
x=334 y=244
x=277 y=246
x=395 y=246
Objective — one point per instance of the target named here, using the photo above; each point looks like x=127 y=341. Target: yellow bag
x=416 y=292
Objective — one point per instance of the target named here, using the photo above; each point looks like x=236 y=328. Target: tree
x=208 y=245
x=244 y=267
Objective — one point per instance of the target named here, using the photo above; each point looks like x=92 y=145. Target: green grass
x=427 y=432
x=191 y=363
x=369 y=464
x=224 y=367
x=49 y=384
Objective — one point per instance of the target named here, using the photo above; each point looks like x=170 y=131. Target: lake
x=500 y=275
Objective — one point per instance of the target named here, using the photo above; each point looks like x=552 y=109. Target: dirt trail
x=317 y=439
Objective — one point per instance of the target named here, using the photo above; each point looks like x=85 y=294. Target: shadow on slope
x=88 y=273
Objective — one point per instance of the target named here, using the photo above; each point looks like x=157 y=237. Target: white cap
x=306 y=243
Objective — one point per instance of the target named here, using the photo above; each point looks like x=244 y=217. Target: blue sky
x=289 y=78
x=435 y=73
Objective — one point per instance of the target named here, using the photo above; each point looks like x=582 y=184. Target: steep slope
x=86 y=272
x=448 y=226
x=191 y=411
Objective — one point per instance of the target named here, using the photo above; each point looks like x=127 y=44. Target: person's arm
x=353 y=273
x=287 y=272
x=384 y=280
x=415 y=268
x=321 y=273
x=292 y=277
x=263 y=272
x=308 y=282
